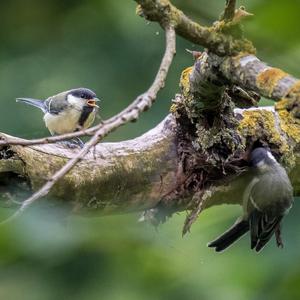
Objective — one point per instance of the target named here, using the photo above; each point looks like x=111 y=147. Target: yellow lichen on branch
x=288 y=122
x=294 y=92
x=261 y=124
x=185 y=80
x=185 y=90
x=268 y=80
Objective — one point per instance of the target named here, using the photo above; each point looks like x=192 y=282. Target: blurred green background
x=54 y=45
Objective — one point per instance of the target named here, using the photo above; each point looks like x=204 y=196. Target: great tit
x=266 y=200
x=68 y=111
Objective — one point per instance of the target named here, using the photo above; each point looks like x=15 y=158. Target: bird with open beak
x=68 y=111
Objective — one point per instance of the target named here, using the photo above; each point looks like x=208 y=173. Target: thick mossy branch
x=250 y=73
x=152 y=170
x=246 y=74
x=212 y=71
x=205 y=113
x=125 y=176
x=216 y=38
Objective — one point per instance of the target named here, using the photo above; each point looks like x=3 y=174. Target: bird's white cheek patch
x=76 y=102
x=271 y=156
x=261 y=164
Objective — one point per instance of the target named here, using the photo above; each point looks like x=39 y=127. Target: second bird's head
x=262 y=159
x=82 y=97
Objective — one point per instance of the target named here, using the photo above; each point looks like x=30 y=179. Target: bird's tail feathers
x=230 y=236
x=34 y=102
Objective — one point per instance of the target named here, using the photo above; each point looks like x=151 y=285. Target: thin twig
x=140 y=104
x=50 y=139
x=229 y=10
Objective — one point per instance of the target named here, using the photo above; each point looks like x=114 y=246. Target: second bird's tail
x=34 y=102
x=230 y=236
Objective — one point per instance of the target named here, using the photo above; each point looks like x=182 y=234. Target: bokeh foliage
x=53 y=45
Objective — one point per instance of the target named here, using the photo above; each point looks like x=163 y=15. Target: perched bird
x=68 y=111
x=266 y=200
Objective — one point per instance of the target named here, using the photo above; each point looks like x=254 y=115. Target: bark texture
x=143 y=172
x=125 y=176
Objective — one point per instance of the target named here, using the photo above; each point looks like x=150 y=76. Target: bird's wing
x=262 y=227
x=56 y=104
x=266 y=206
x=263 y=208
x=248 y=192
x=272 y=193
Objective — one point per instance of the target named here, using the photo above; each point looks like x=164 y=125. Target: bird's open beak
x=92 y=102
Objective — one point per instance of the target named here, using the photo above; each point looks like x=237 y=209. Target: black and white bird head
x=82 y=97
x=262 y=159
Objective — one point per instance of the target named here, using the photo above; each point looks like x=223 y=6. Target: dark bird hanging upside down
x=266 y=200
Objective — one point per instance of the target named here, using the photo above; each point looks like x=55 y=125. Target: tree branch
x=212 y=38
x=142 y=173
x=124 y=176
x=250 y=73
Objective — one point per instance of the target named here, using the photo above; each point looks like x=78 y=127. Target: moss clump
x=207 y=120
x=178 y=106
x=233 y=32
x=192 y=104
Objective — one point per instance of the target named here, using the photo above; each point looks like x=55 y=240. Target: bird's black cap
x=82 y=93
x=261 y=154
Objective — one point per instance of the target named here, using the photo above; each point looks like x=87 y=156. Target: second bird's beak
x=92 y=102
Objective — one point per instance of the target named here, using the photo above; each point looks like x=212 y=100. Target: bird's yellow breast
x=66 y=121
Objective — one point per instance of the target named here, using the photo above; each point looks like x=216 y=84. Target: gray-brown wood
x=125 y=176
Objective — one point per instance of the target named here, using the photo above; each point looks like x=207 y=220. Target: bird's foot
x=73 y=143
x=79 y=142
x=279 y=241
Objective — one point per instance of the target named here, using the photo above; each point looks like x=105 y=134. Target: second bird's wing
x=267 y=204
x=262 y=228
